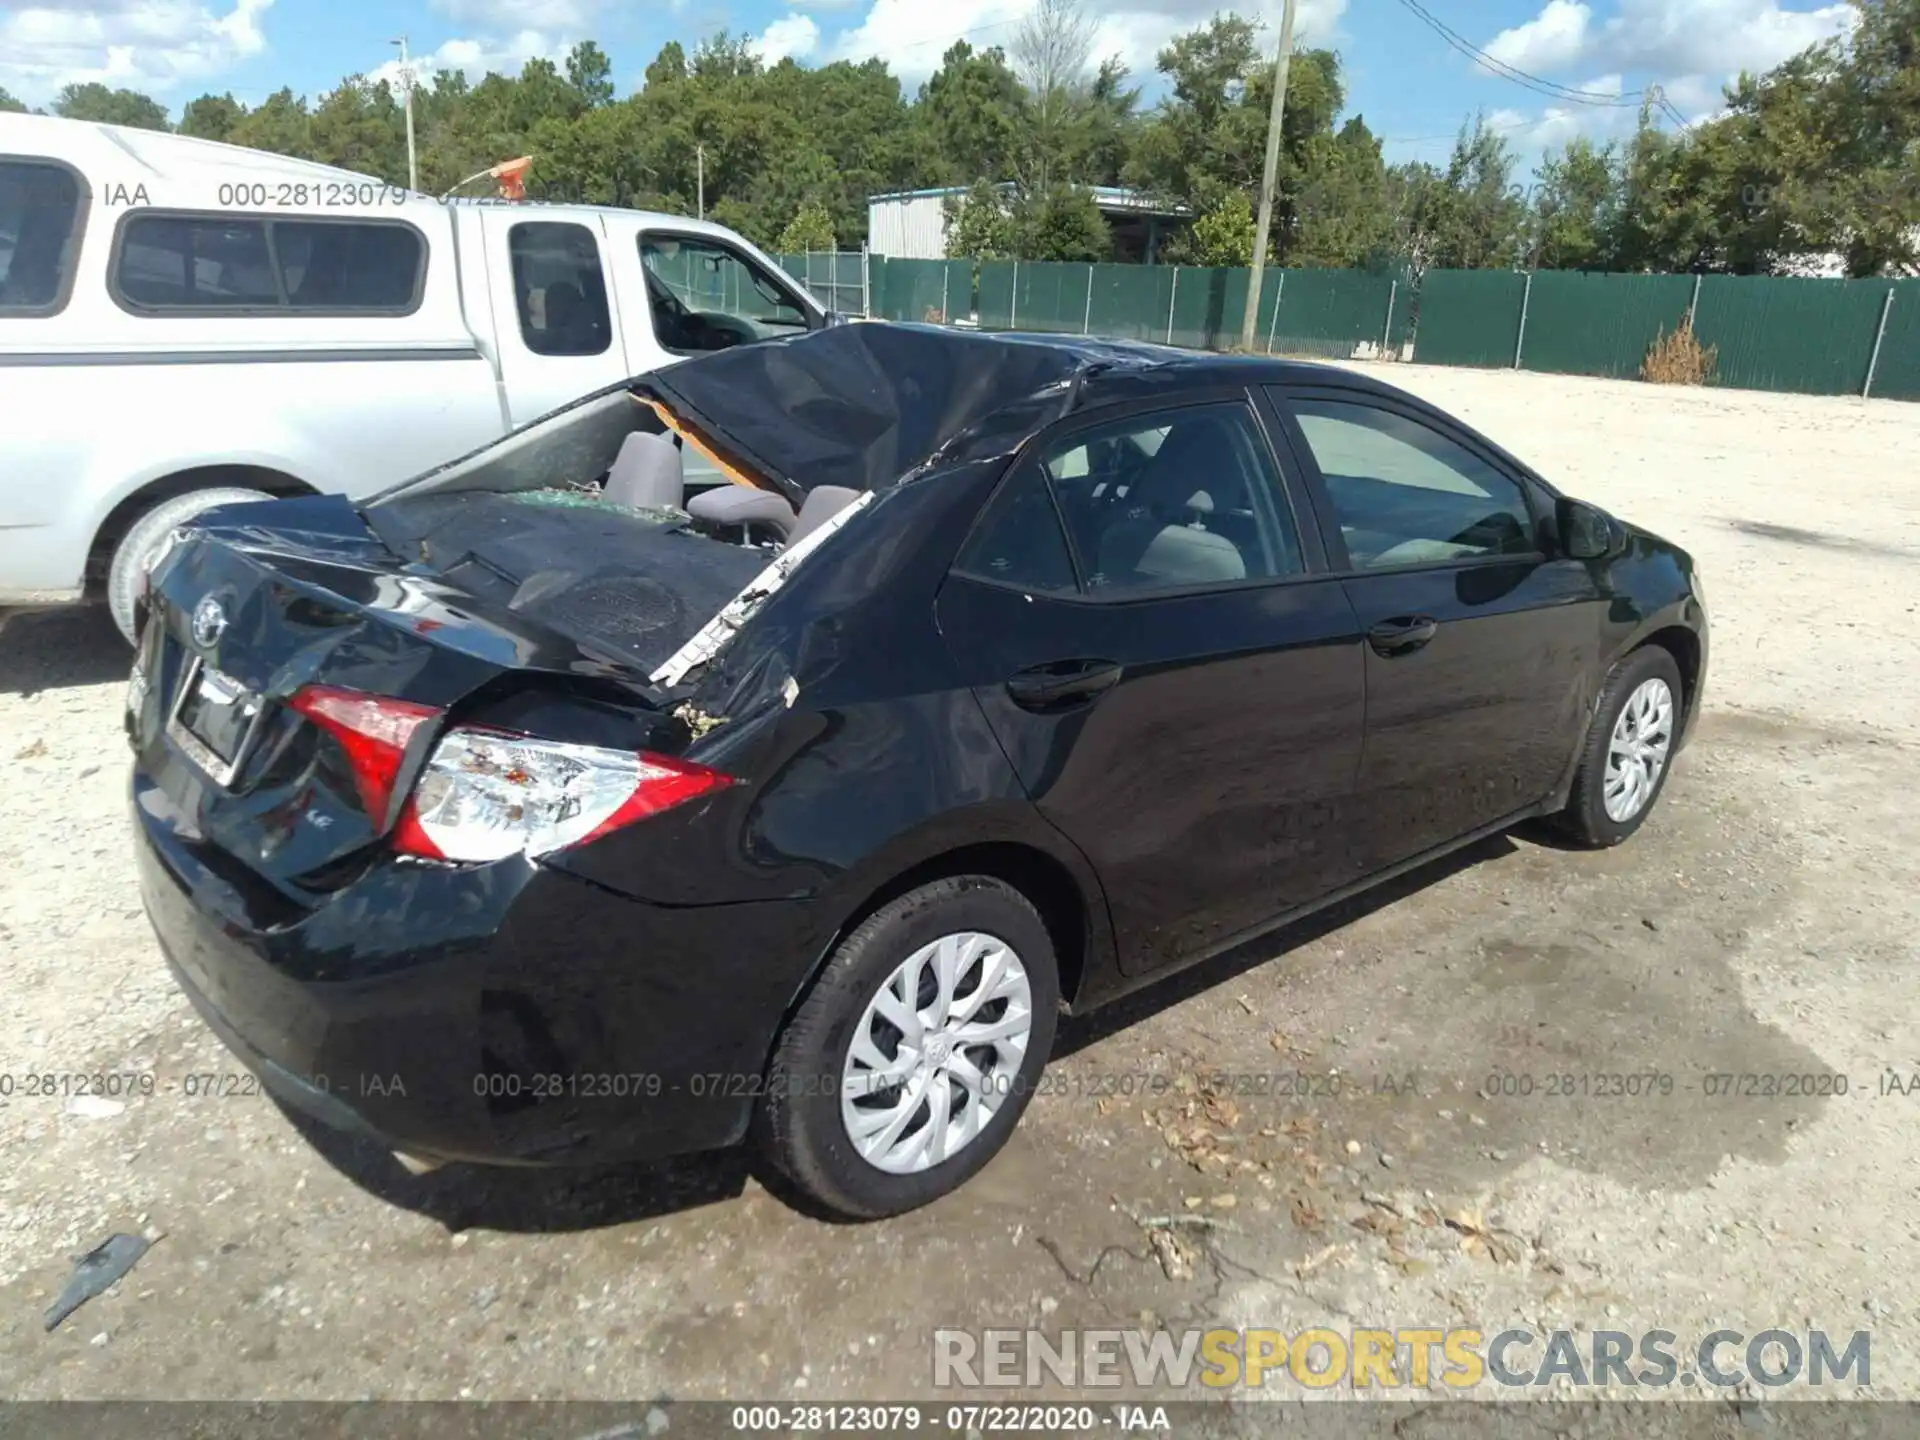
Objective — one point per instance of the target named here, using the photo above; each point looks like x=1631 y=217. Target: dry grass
x=1678 y=358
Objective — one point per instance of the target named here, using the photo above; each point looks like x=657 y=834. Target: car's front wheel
x=1629 y=750
x=906 y=1067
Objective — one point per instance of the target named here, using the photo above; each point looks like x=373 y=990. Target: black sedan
x=549 y=809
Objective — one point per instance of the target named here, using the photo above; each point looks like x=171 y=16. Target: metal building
x=912 y=224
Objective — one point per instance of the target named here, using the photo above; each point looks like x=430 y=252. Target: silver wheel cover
x=937 y=1053
x=1637 y=752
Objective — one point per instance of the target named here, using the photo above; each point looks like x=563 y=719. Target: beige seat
x=744 y=505
x=647 y=473
x=1158 y=541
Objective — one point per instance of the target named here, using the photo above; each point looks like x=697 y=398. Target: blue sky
x=1412 y=88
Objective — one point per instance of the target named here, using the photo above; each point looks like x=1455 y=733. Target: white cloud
x=911 y=35
x=792 y=35
x=475 y=57
x=1690 y=48
x=1552 y=40
x=150 y=45
x=1666 y=37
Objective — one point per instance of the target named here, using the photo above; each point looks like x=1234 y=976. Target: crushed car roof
x=862 y=404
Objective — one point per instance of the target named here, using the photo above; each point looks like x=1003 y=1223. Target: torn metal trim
x=712 y=637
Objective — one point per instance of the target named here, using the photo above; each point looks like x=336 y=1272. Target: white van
x=184 y=324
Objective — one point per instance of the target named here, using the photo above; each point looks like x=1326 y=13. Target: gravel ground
x=1762 y=923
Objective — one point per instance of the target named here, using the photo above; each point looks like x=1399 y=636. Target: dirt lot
x=1762 y=923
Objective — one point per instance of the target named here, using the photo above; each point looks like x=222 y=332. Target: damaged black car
x=777 y=744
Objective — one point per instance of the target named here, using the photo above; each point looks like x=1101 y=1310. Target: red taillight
x=373 y=730
x=488 y=794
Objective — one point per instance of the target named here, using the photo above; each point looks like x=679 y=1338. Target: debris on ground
x=1477 y=1237
x=95 y=1271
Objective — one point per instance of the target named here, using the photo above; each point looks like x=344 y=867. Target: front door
x=1176 y=683
x=1481 y=646
x=553 y=322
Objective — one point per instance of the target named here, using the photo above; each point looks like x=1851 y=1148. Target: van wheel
x=134 y=555
x=906 y=1068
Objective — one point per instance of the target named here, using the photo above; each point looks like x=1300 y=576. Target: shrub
x=1678 y=358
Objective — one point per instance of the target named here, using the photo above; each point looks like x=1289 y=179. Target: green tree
x=280 y=123
x=360 y=127
x=1341 y=213
x=1224 y=234
x=10 y=105
x=980 y=224
x=590 y=72
x=94 y=101
x=1061 y=223
x=211 y=117
x=810 y=229
x=1576 y=202
x=971 y=113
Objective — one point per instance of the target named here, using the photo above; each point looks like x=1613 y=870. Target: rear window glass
x=40 y=214
x=213 y=262
x=1020 y=541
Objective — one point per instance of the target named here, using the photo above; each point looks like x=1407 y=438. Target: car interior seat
x=1161 y=538
x=647 y=473
x=823 y=502
x=744 y=505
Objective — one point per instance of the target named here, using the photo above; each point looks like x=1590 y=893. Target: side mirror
x=834 y=317
x=1586 y=532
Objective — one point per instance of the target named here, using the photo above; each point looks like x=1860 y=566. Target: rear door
x=1482 y=646
x=1151 y=632
x=554 y=322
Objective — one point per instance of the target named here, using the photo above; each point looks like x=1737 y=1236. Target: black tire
x=1585 y=820
x=134 y=554
x=799 y=1125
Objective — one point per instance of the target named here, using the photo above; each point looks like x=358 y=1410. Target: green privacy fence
x=1814 y=337
x=1591 y=324
x=1823 y=337
x=1469 y=317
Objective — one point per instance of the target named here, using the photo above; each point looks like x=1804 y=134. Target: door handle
x=1062 y=683
x=1402 y=635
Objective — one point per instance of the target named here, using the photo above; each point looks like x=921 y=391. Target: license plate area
x=213 y=720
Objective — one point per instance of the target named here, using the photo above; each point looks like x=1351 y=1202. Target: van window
x=558 y=288
x=40 y=212
x=280 y=266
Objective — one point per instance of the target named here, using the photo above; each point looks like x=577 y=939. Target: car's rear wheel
x=909 y=1062
x=134 y=555
x=1629 y=750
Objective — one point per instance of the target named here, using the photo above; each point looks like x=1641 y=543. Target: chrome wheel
x=1637 y=752
x=937 y=1052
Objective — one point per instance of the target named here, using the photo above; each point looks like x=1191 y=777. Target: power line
x=1536 y=83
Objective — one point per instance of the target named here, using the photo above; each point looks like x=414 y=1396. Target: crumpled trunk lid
x=264 y=599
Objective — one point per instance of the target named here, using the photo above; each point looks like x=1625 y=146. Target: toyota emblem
x=209 y=620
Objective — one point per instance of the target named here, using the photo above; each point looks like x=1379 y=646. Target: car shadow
x=1077 y=1032
x=57 y=649
x=532 y=1200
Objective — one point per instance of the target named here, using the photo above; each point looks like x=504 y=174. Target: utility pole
x=1268 y=177
x=406 y=91
x=700 y=177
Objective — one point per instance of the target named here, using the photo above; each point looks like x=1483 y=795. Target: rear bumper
x=505 y=1014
